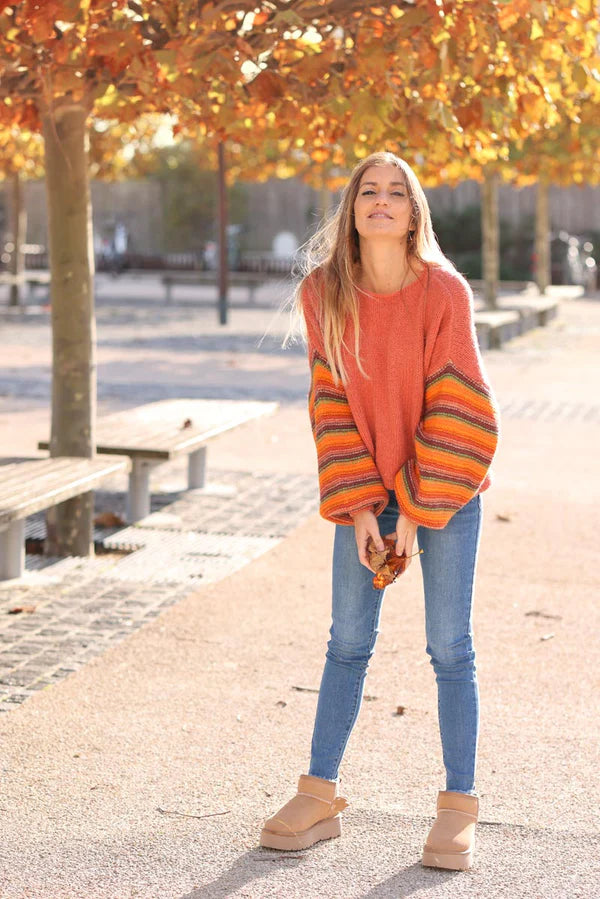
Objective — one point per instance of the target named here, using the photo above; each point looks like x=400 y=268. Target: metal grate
x=178 y=556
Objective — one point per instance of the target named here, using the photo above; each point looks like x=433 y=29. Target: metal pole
x=222 y=237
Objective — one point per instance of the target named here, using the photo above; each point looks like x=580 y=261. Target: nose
x=381 y=199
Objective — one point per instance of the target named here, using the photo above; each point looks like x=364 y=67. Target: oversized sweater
x=425 y=423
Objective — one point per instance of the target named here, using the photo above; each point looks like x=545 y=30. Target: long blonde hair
x=332 y=256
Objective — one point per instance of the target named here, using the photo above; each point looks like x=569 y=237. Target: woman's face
x=382 y=208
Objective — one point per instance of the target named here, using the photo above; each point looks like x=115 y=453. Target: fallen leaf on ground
x=165 y=811
x=108 y=520
x=501 y=517
x=537 y=614
x=400 y=710
x=17 y=609
x=547 y=637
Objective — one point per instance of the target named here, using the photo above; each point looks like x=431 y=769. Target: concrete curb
x=497 y=326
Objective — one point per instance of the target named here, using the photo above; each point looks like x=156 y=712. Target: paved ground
x=148 y=771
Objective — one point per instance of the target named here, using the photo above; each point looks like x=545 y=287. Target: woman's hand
x=365 y=526
x=406 y=531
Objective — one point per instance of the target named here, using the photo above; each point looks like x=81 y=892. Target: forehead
x=383 y=174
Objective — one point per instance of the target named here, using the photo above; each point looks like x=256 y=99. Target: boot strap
x=338 y=804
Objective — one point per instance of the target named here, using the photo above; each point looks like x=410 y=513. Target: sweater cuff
x=367 y=508
x=333 y=510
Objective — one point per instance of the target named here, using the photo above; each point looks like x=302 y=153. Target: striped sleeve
x=348 y=477
x=457 y=436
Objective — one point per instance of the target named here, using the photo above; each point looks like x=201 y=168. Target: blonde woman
x=405 y=427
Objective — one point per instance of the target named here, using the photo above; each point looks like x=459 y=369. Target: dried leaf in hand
x=388 y=565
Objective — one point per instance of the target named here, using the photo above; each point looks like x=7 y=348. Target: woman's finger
x=362 y=551
x=362 y=539
x=400 y=543
x=377 y=539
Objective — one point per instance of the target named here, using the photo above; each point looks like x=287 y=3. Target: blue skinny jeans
x=448 y=565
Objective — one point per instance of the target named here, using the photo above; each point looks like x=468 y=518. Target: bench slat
x=44 y=479
x=155 y=430
x=33 y=475
x=60 y=479
x=16 y=478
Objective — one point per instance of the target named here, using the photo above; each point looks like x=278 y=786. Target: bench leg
x=12 y=551
x=138 y=498
x=197 y=468
x=169 y=296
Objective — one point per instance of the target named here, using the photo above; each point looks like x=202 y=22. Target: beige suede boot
x=313 y=814
x=452 y=838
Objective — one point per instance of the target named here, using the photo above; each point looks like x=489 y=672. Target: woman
x=405 y=427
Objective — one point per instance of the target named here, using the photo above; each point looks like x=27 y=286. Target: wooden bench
x=534 y=310
x=158 y=432
x=31 y=485
x=495 y=326
x=31 y=279
x=251 y=280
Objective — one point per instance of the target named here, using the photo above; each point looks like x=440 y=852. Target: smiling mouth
x=379 y=215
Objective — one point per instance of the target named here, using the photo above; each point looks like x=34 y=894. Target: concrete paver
x=77 y=607
x=148 y=771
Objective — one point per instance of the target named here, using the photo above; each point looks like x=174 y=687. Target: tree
x=21 y=155
x=450 y=86
x=564 y=155
x=61 y=63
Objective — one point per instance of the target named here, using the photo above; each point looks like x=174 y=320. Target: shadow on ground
x=251 y=866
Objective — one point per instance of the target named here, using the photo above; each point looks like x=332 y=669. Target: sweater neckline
x=396 y=293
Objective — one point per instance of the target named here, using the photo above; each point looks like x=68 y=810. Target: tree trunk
x=19 y=234
x=490 y=236
x=542 y=236
x=223 y=267
x=69 y=525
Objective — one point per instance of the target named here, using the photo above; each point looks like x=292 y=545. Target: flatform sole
x=322 y=830
x=453 y=861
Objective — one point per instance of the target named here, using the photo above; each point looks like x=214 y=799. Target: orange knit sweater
x=424 y=425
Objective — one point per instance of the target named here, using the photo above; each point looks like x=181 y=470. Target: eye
x=365 y=193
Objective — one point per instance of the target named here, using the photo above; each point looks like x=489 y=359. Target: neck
x=384 y=266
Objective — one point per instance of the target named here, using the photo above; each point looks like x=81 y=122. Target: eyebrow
x=376 y=183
